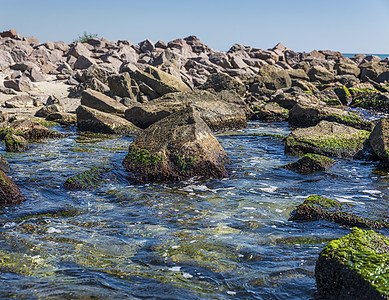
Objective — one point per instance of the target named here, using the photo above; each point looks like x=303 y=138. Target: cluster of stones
x=174 y=96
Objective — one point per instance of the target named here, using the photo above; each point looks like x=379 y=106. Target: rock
x=316 y=208
x=3 y=116
x=49 y=109
x=10 y=193
x=237 y=62
x=121 y=85
x=223 y=81
x=321 y=74
x=33 y=131
x=15 y=143
x=92 y=83
x=288 y=101
x=10 y=34
x=343 y=94
x=160 y=44
x=22 y=101
x=327 y=138
x=383 y=77
x=99 y=101
x=274 y=78
x=370 y=99
x=35 y=75
x=63 y=118
x=176 y=148
x=372 y=69
x=220 y=59
x=148 y=91
x=354 y=267
x=310 y=163
x=347 y=69
x=219 y=111
x=4 y=165
x=160 y=81
x=89 y=119
x=379 y=139
x=297 y=74
x=271 y=112
x=6 y=60
x=23 y=84
x=84 y=62
x=147 y=46
x=79 y=50
x=89 y=179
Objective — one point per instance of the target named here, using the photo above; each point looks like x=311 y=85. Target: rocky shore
x=173 y=97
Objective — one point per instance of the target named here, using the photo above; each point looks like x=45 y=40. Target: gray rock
x=84 y=62
x=22 y=101
x=147 y=46
x=318 y=73
x=99 y=101
x=120 y=85
x=6 y=60
x=223 y=81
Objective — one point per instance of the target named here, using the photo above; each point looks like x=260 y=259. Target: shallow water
x=215 y=239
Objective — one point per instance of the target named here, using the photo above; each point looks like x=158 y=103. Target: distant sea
x=382 y=56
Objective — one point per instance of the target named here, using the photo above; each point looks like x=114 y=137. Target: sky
x=349 y=26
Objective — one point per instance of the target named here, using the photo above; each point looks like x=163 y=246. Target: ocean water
x=200 y=239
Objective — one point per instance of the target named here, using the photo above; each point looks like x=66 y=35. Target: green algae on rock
x=311 y=163
x=327 y=138
x=316 y=208
x=15 y=143
x=355 y=266
x=9 y=192
x=176 y=148
x=87 y=180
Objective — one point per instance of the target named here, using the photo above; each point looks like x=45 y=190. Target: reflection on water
x=219 y=239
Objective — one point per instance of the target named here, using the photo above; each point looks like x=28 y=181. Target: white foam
x=373 y=192
x=270 y=189
x=53 y=230
x=175 y=269
x=187 y=275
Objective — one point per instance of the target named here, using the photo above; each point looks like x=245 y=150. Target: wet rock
x=370 y=99
x=33 y=131
x=271 y=112
x=310 y=163
x=160 y=81
x=379 y=139
x=316 y=208
x=89 y=179
x=329 y=139
x=15 y=143
x=222 y=81
x=321 y=74
x=354 y=267
x=89 y=119
x=10 y=193
x=99 y=101
x=4 y=165
x=176 y=148
x=219 y=110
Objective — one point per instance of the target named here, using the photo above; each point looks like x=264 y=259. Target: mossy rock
x=355 y=266
x=370 y=99
x=350 y=119
x=316 y=208
x=15 y=143
x=329 y=139
x=4 y=165
x=56 y=213
x=310 y=163
x=89 y=179
x=9 y=192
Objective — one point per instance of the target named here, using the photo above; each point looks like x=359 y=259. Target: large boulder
x=10 y=193
x=354 y=267
x=271 y=112
x=327 y=138
x=89 y=119
x=176 y=148
x=15 y=143
x=22 y=84
x=121 y=85
x=5 y=60
x=347 y=69
x=160 y=81
x=219 y=110
x=274 y=78
x=372 y=69
x=379 y=139
x=321 y=74
x=20 y=101
x=223 y=81
x=99 y=101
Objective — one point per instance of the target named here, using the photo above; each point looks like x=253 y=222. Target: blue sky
x=302 y=25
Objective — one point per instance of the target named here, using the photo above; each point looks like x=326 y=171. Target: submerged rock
x=33 y=131
x=87 y=180
x=327 y=138
x=354 y=267
x=311 y=163
x=4 y=165
x=316 y=208
x=10 y=193
x=176 y=148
